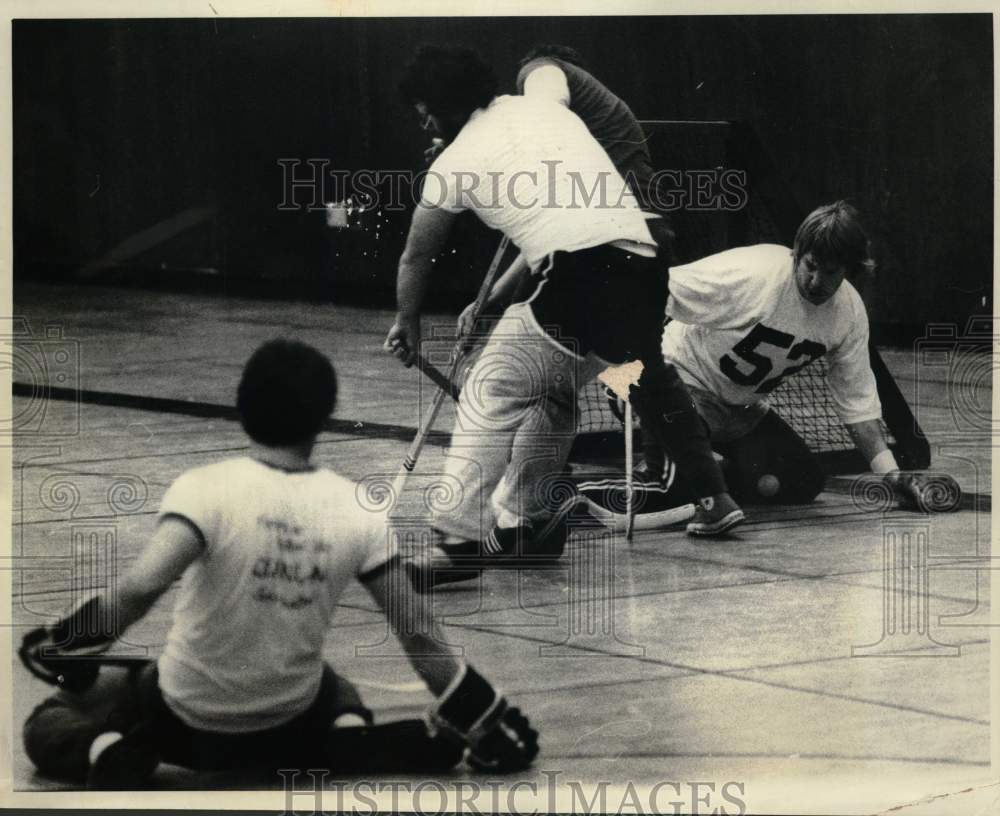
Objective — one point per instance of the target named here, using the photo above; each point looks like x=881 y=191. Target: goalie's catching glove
x=925 y=492
x=64 y=654
x=498 y=737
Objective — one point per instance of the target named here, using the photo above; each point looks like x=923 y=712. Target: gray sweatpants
x=515 y=426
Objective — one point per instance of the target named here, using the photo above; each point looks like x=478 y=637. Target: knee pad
x=343 y=697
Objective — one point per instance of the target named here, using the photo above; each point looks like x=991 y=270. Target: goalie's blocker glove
x=64 y=654
x=925 y=492
x=498 y=737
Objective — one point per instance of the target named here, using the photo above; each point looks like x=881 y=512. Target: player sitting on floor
x=743 y=321
x=265 y=545
x=519 y=164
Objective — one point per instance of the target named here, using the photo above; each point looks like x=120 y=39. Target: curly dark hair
x=556 y=51
x=448 y=80
x=287 y=391
x=834 y=234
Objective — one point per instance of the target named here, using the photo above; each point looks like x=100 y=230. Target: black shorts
x=295 y=743
x=606 y=301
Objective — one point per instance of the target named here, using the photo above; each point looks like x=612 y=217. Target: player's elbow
x=135 y=595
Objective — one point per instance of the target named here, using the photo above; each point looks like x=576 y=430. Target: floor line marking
x=727 y=674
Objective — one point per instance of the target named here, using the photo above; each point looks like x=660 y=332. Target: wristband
x=468 y=709
x=884 y=462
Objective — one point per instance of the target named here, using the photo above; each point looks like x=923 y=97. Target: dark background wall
x=119 y=125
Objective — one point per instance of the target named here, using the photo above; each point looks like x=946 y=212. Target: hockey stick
x=641 y=521
x=446 y=388
x=76 y=673
x=629 y=464
x=438 y=377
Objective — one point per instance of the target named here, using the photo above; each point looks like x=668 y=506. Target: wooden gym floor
x=763 y=659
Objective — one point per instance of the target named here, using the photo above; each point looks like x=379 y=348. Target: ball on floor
x=768 y=485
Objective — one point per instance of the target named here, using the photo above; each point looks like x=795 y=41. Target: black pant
x=296 y=743
x=612 y=303
x=773 y=448
x=58 y=733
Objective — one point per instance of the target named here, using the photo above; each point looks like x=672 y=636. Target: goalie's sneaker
x=715 y=515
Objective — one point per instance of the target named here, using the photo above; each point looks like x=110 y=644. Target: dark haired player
x=558 y=73
x=264 y=545
x=517 y=162
x=743 y=321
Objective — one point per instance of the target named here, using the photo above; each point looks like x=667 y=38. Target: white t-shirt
x=549 y=81
x=244 y=652
x=740 y=327
x=529 y=167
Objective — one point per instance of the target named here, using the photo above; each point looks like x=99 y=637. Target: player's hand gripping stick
x=461 y=344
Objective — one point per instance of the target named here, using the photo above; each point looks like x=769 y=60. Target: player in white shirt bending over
x=530 y=169
x=265 y=545
x=557 y=73
x=744 y=320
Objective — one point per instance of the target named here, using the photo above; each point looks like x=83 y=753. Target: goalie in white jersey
x=745 y=320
